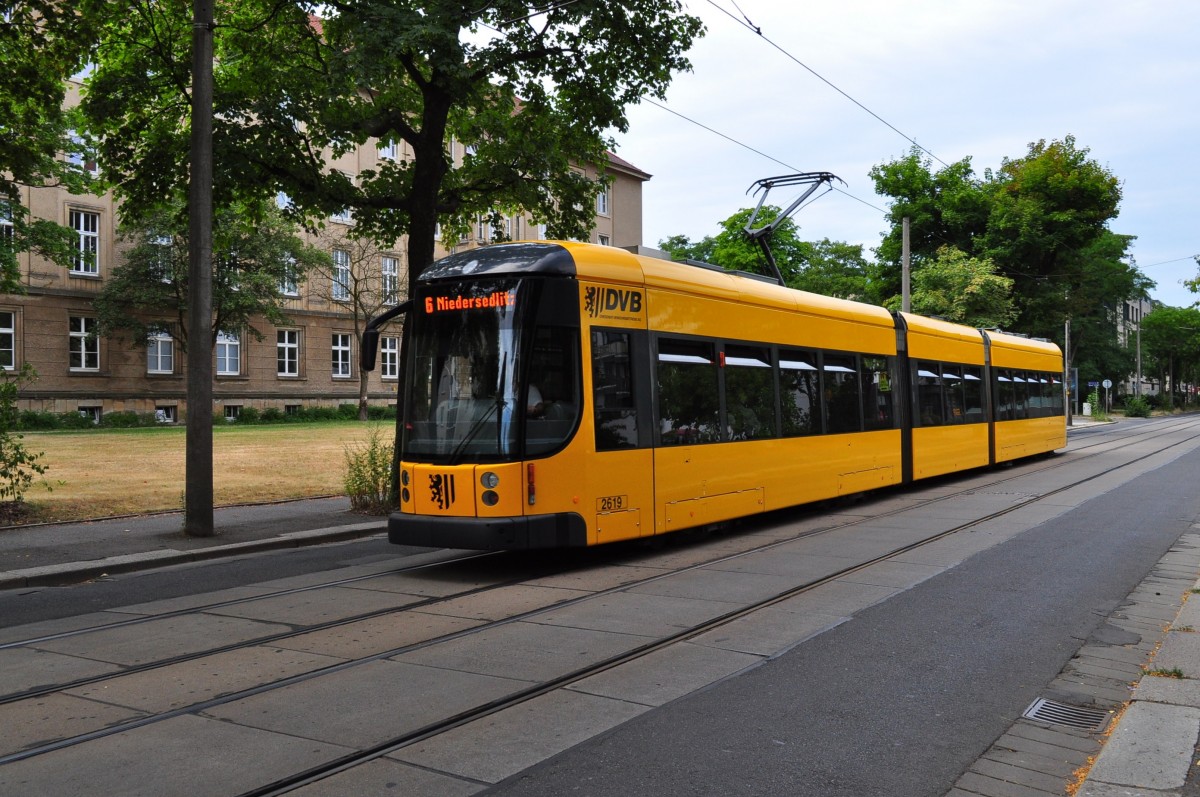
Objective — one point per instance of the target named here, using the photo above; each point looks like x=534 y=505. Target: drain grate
x=1088 y=719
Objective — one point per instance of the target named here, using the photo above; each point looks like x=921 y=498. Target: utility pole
x=1067 y=370
x=905 y=274
x=198 y=505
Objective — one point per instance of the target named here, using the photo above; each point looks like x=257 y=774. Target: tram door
x=622 y=469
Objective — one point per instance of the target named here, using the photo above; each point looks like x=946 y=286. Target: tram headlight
x=404 y=496
x=490 y=498
x=404 y=477
x=489 y=480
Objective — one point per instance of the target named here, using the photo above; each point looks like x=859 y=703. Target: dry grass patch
x=126 y=471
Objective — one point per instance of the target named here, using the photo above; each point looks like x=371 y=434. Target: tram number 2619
x=611 y=503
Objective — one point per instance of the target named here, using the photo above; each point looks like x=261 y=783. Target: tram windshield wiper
x=456 y=454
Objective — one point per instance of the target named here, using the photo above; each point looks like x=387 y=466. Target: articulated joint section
x=559 y=530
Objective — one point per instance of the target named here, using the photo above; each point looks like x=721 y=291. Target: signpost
x=1107 y=403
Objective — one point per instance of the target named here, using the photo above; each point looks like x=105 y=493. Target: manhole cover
x=1088 y=719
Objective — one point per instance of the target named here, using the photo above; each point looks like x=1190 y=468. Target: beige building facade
x=311 y=362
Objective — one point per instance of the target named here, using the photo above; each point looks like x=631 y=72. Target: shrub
x=369 y=474
x=120 y=420
x=347 y=412
x=272 y=415
x=18 y=466
x=1136 y=407
x=249 y=415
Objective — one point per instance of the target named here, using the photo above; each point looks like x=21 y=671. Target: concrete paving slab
x=503 y=602
x=1189 y=615
x=182 y=757
x=384 y=776
x=366 y=705
x=191 y=682
x=313 y=607
x=507 y=742
x=839 y=598
x=28 y=668
x=40 y=720
x=1179 y=651
x=900 y=575
x=1151 y=747
x=1012 y=773
x=769 y=631
x=708 y=584
x=375 y=635
x=160 y=639
x=1179 y=691
x=529 y=651
x=189 y=602
x=596 y=579
x=787 y=560
x=1090 y=789
x=21 y=633
x=666 y=674
x=643 y=615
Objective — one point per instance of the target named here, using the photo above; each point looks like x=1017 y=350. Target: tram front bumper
x=560 y=530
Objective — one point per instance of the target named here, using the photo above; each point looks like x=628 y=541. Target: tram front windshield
x=489 y=382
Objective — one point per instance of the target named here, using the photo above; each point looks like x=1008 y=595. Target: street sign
x=1107 y=383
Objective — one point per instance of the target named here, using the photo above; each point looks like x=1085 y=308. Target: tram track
x=539 y=571
x=524 y=695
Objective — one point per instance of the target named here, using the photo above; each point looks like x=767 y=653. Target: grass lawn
x=125 y=471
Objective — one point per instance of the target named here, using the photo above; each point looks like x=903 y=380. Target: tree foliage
x=1171 y=338
x=255 y=251
x=962 y=289
x=42 y=42
x=531 y=96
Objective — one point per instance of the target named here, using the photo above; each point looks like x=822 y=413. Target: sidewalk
x=54 y=554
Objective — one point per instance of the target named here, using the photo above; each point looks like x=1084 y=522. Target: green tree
x=18 y=465
x=255 y=252
x=42 y=42
x=962 y=289
x=835 y=268
x=531 y=95
x=1171 y=335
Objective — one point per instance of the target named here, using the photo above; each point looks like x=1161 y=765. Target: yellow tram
x=563 y=394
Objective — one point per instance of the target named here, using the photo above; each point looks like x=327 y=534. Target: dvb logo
x=612 y=300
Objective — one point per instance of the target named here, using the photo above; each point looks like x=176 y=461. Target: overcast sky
x=978 y=78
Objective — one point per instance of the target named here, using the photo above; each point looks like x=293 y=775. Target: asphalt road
x=901 y=699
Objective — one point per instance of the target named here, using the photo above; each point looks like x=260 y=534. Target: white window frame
x=604 y=202
x=7 y=230
x=166 y=413
x=287 y=353
x=389 y=150
x=229 y=350
x=389 y=270
x=86 y=224
x=288 y=286
x=389 y=357
x=160 y=354
x=603 y=240
x=8 y=340
x=340 y=289
x=84 y=346
x=340 y=349
x=77 y=158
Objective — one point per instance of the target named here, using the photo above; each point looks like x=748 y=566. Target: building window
x=341 y=275
x=229 y=354
x=8 y=341
x=291 y=409
x=233 y=412
x=166 y=414
x=6 y=225
x=341 y=354
x=160 y=354
x=287 y=352
x=288 y=285
x=78 y=156
x=389 y=150
x=603 y=240
x=84 y=345
x=391 y=278
x=91 y=413
x=602 y=202
x=389 y=354
x=87 y=242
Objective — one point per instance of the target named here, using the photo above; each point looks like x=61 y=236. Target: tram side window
x=952 y=382
x=1057 y=400
x=842 y=401
x=1036 y=404
x=688 y=399
x=877 y=393
x=613 y=391
x=552 y=404
x=973 y=393
x=749 y=393
x=800 y=392
x=1005 y=398
x=930 y=405
x=1020 y=395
